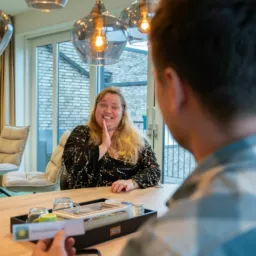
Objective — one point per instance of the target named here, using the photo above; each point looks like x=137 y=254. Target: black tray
x=104 y=233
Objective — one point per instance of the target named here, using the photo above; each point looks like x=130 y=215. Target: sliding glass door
x=62 y=95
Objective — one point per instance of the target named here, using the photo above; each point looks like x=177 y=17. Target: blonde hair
x=126 y=140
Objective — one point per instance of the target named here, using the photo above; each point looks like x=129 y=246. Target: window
x=73 y=89
x=129 y=74
x=63 y=94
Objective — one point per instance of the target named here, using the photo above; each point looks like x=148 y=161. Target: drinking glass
x=64 y=203
x=35 y=213
x=138 y=209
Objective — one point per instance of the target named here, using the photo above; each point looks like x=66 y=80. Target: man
x=204 y=54
x=59 y=247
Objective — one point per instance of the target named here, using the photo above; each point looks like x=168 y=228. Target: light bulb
x=144 y=25
x=99 y=42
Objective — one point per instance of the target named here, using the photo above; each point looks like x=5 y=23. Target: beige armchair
x=12 y=144
x=38 y=181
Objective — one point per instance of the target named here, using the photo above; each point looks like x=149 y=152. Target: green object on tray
x=46 y=218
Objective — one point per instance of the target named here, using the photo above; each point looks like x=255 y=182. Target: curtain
x=7 y=86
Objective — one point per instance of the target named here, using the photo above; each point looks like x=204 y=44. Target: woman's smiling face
x=110 y=109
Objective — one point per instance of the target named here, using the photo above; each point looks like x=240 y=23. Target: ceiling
x=13 y=7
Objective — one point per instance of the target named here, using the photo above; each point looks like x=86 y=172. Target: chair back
x=53 y=168
x=64 y=179
x=13 y=140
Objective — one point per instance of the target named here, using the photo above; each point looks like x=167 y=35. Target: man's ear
x=176 y=89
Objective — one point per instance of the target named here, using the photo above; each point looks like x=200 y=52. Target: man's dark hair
x=212 y=45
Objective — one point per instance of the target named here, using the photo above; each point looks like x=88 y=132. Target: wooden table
x=152 y=198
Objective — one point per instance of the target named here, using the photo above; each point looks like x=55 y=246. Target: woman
x=109 y=151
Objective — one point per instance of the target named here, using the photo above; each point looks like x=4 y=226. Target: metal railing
x=178 y=163
x=139 y=125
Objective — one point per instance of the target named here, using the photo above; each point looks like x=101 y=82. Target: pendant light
x=144 y=21
x=99 y=37
x=138 y=17
x=98 y=40
x=46 y=5
x=6 y=31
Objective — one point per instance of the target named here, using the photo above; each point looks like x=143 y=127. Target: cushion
x=57 y=156
x=32 y=179
x=52 y=171
x=17 y=173
x=15 y=132
x=9 y=146
x=54 y=165
x=10 y=158
x=12 y=144
x=64 y=138
x=8 y=167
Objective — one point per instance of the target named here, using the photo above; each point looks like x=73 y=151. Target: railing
x=178 y=162
x=139 y=125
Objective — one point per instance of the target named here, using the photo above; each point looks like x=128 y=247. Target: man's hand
x=59 y=246
x=125 y=185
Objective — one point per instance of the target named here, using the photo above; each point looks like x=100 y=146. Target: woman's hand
x=106 y=137
x=125 y=185
x=106 y=140
x=59 y=247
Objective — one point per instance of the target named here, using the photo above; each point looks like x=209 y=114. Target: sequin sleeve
x=80 y=159
x=149 y=172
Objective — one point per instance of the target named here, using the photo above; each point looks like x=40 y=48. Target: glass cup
x=64 y=203
x=138 y=209
x=35 y=213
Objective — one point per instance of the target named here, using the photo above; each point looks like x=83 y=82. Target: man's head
x=204 y=54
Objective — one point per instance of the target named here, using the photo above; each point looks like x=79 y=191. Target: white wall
x=34 y=21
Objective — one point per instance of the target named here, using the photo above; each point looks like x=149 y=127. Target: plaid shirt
x=212 y=213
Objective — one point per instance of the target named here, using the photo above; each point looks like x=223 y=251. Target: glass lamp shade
x=99 y=27
x=46 y=5
x=6 y=31
x=134 y=16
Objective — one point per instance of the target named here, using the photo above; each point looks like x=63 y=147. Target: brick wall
x=132 y=67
